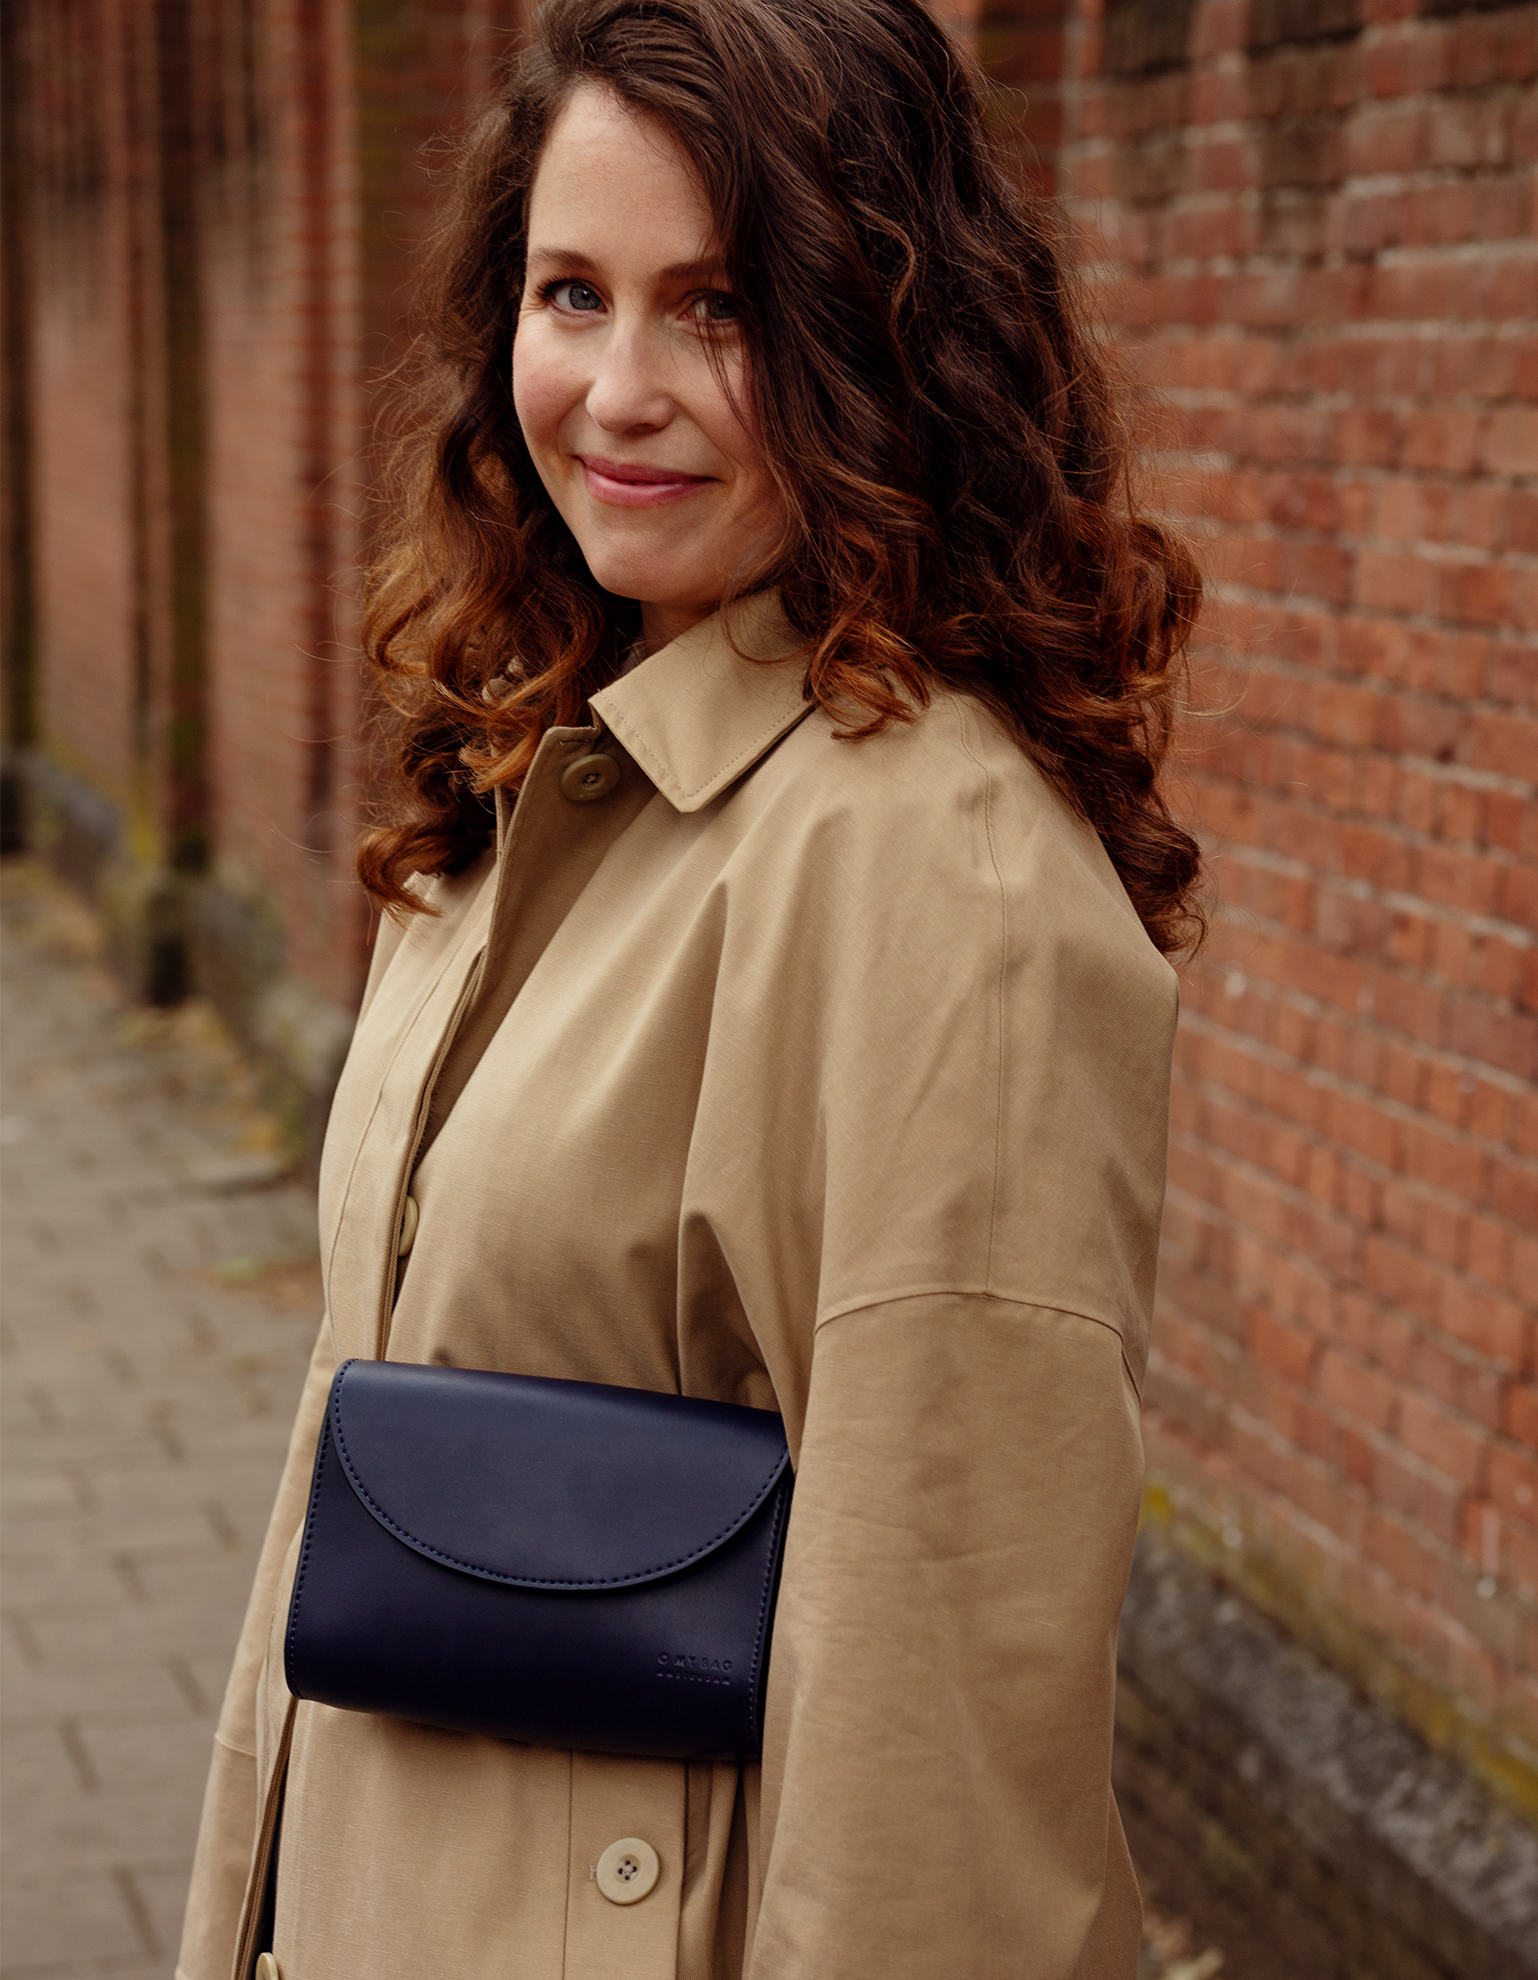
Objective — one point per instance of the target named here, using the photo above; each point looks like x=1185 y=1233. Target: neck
x=662 y=624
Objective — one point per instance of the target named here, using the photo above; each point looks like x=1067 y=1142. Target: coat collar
x=697 y=714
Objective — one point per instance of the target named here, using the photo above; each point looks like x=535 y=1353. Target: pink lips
x=632 y=486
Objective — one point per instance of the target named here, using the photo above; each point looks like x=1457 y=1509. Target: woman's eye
x=577 y=296
x=715 y=306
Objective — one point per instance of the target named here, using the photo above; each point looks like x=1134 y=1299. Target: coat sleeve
x=938 y=1733
x=232 y=1800
x=968 y=1122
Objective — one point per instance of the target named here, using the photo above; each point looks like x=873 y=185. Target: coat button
x=588 y=778
x=628 y=1870
x=266 y=1968
x=408 y=1232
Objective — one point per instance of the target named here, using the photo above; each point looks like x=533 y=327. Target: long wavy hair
x=941 y=421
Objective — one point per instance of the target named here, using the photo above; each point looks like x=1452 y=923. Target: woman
x=799 y=1037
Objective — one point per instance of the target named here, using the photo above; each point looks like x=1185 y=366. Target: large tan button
x=267 y=1968
x=408 y=1236
x=628 y=1870
x=588 y=778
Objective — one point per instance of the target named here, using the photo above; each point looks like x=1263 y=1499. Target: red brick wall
x=281 y=271
x=305 y=127
x=1313 y=232
x=83 y=410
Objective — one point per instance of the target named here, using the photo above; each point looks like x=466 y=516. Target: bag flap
x=550 y=1484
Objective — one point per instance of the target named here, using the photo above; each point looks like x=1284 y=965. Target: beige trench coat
x=825 y=1076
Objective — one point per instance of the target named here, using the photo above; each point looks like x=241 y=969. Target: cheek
x=544 y=390
x=724 y=413
x=726 y=416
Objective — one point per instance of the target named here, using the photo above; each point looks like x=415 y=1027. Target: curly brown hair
x=941 y=421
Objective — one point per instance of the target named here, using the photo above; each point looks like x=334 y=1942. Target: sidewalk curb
x=1328 y=1821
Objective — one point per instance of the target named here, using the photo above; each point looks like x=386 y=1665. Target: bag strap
x=267 y=1914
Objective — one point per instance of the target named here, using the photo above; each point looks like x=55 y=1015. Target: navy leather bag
x=556 y=1562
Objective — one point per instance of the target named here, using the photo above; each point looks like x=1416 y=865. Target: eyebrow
x=676 y=271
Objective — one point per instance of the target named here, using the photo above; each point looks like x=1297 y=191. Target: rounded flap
x=550 y=1484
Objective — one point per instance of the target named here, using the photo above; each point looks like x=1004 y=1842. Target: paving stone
x=46 y=1935
x=66 y=1641
x=164 y=1893
x=147 y=1409
x=35 y=1761
x=74 y=1587
x=43 y=1496
x=115 y=1686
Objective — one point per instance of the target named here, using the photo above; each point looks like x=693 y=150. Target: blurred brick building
x=213 y=208
x=1310 y=225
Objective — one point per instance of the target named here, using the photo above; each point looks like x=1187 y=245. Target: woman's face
x=632 y=421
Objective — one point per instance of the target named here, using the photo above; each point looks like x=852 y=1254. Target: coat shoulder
x=950 y=810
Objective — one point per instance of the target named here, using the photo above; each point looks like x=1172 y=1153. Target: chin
x=645 y=578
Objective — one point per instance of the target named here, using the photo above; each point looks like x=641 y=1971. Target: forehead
x=614 y=185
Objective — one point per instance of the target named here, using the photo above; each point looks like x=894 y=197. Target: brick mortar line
x=1493 y=252
x=1456 y=776
x=1359 y=474
x=1253 y=196
x=1468 y=1361
x=1264 y=859
x=1472 y=1361
x=1294 y=1450
x=1385 y=1441
x=1514 y=1085
x=1294 y=798
x=1388 y=1441
x=1224 y=1099
x=1181 y=333
x=1335 y=1477
x=1350 y=1157
x=1232 y=591
x=1183 y=1196
x=1351 y=1231
x=1380 y=1106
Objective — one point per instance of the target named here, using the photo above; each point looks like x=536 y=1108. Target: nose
x=629 y=387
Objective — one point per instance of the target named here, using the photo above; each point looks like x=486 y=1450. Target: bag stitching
x=755 y=1731
x=529 y=1580
x=304 y=1551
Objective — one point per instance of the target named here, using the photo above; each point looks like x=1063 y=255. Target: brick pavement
x=146 y=1408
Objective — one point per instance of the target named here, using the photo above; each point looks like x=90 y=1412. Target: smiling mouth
x=633 y=486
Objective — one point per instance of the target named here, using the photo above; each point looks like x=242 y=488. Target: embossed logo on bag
x=693 y=1670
